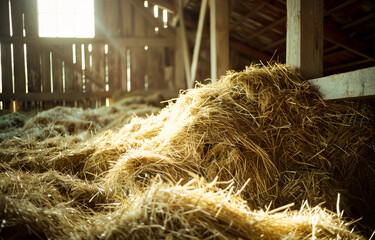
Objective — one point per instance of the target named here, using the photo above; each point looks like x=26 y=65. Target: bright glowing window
x=66 y=18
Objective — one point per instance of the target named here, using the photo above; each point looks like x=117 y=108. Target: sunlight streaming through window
x=66 y=18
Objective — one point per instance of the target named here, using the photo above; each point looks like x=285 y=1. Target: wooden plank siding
x=70 y=86
x=18 y=52
x=57 y=74
x=33 y=50
x=138 y=55
x=54 y=75
x=98 y=65
x=6 y=74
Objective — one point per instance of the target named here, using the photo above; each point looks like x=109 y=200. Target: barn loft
x=187 y=119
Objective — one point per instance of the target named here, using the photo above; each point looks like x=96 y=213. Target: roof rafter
x=361 y=48
x=266 y=28
x=244 y=18
x=251 y=52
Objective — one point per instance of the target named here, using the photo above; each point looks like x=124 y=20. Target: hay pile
x=222 y=161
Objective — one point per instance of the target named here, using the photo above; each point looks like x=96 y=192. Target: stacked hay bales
x=204 y=167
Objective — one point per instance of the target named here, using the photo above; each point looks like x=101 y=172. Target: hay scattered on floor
x=264 y=134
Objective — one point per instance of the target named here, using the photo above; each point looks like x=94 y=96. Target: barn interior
x=187 y=119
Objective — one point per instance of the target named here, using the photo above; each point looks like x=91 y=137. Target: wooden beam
x=346 y=65
x=185 y=46
x=33 y=53
x=274 y=44
x=56 y=96
x=179 y=74
x=329 y=49
x=77 y=67
x=304 y=45
x=242 y=19
x=360 y=48
x=119 y=41
x=100 y=20
x=334 y=53
x=6 y=72
x=198 y=38
x=266 y=28
x=138 y=55
x=251 y=52
x=359 y=21
x=166 y=32
x=339 y=6
x=17 y=8
x=219 y=37
x=45 y=71
x=359 y=83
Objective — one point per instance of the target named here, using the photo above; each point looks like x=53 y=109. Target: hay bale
x=269 y=125
x=265 y=131
x=197 y=210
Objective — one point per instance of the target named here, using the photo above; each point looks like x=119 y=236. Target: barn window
x=66 y=18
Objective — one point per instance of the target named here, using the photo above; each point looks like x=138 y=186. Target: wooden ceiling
x=258 y=31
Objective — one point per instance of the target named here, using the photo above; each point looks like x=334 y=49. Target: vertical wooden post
x=99 y=57
x=155 y=62
x=219 y=37
x=19 y=61
x=45 y=71
x=185 y=45
x=57 y=74
x=70 y=85
x=100 y=20
x=304 y=45
x=33 y=51
x=5 y=52
x=127 y=30
x=198 y=38
x=78 y=74
x=114 y=56
x=88 y=56
x=98 y=64
x=127 y=19
x=138 y=54
x=179 y=74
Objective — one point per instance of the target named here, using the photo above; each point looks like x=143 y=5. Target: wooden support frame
x=359 y=83
x=219 y=37
x=359 y=21
x=305 y=52
x=6 y=73
x=265 y=28
x=185 y=46
x=17 y=7
x=198 y=38
x=242 y=19
x=242 y=48
x=77 y=67
x=179 y=74
x=361 y=48
x=166 y=32
x=120 y=41
x=273 y=44
x=304 y=45
x=55 y=96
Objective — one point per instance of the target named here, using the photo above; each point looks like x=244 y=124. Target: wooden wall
x=126 y=54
